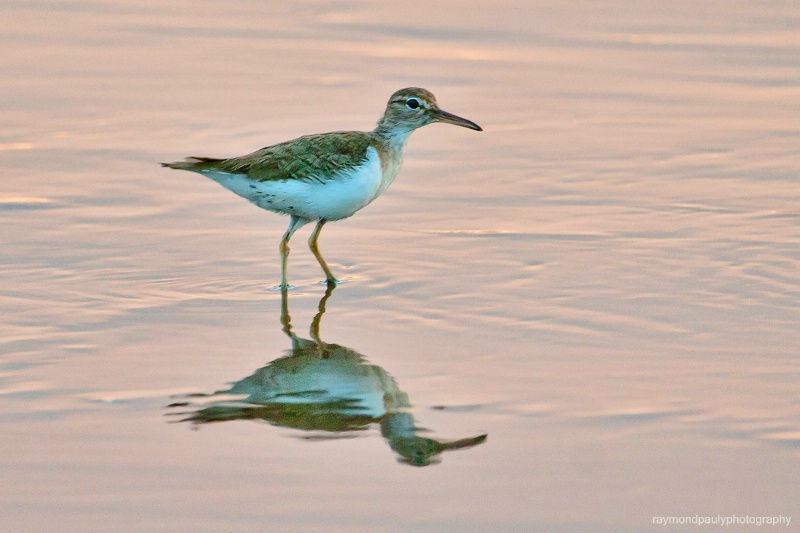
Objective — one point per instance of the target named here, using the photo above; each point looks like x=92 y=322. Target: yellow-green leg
x=284 y=247
x=312 y=243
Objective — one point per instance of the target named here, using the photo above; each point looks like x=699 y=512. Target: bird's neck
x=393 y=137
x=392 y=143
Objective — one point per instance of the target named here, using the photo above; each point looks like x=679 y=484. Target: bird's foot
x=279 y=288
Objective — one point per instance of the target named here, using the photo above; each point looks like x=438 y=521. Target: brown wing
x=312 y=157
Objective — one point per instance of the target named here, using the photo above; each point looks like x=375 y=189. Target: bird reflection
x=327 y=391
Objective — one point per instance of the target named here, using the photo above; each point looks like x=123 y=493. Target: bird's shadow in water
x=326 y=391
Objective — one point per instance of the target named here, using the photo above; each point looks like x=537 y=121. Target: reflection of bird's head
x=422 y=451
x=416 y=451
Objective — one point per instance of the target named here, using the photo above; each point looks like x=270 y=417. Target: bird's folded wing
x=310 y=158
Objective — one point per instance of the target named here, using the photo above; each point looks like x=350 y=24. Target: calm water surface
x=580 y=319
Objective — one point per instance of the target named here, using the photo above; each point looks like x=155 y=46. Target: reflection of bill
x=325 y=389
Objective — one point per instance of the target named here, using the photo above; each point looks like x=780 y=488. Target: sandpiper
x=328 y=176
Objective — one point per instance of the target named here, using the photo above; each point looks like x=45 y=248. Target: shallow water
x=605 y=282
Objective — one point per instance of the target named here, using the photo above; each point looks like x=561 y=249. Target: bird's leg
x=284 y=247
x=312 y=243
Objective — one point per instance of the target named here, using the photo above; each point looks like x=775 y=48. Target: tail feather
x=194 y=163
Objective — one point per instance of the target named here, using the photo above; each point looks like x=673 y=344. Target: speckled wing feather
x=312 y=157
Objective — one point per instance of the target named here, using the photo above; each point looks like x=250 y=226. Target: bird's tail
x=194 y=163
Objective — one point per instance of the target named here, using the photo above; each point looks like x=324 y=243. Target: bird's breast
x=391 y=161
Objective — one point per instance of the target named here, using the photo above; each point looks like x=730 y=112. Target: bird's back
x=317 y=157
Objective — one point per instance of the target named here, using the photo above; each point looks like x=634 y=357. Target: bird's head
x=414 y=107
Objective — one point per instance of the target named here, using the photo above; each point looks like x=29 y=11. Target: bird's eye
x=412 y=103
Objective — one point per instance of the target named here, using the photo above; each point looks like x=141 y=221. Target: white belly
x=329 y=199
